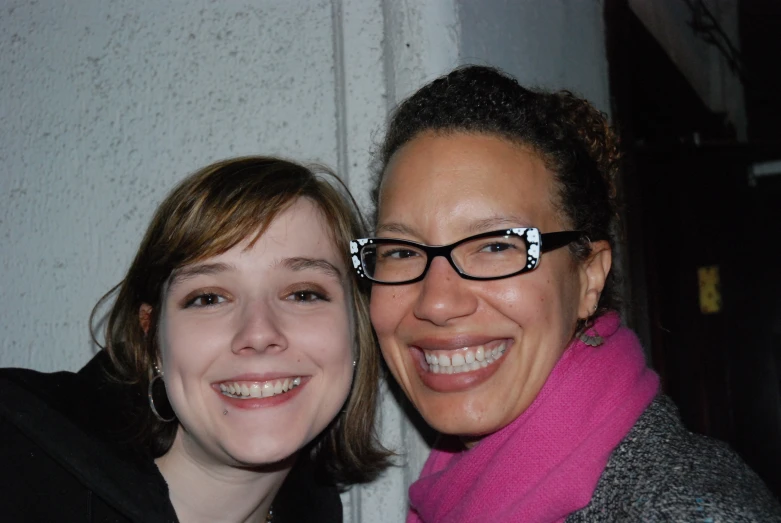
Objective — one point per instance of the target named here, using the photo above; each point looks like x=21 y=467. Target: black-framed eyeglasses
x=487 y=256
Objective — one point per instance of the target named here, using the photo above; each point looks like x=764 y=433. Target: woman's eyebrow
x=190 y=271
x=496 y=222
x=483 y=225
x=398 y=228
x=301 y=263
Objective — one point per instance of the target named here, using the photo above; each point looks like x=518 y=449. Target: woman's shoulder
x=58 y=446
x=662 y=472
x=86 y=398
x=24 y=391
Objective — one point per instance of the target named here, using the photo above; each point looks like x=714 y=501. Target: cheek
x=187 y=346
x=386 y=308
x=543 y=302
x=327 y=340
x=330 y=349
x=525 y=301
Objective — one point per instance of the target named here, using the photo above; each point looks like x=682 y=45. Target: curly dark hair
x=570 y=135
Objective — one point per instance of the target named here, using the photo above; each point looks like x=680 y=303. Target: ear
x=145 y=317
x=593 y=273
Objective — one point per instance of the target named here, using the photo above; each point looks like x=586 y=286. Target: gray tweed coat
x=662 y=472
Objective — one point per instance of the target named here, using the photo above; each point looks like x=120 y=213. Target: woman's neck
x=207 y=492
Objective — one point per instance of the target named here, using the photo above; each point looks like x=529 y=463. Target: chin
x=464 y=419
x=261 y=452
x=463 y=427
x=265 y=460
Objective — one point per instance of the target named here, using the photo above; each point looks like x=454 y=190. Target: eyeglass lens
x=488 y=257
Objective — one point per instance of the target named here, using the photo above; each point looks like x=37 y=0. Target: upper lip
x=266 y=376
x=455 y=342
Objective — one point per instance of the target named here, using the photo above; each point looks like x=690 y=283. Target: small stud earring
x=589 y=336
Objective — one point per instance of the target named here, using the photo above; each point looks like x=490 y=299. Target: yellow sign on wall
x=710 y=289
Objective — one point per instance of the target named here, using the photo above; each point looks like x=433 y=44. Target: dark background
x=689 y=202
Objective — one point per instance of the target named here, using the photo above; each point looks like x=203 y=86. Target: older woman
x=239 y=378
x=493 y=302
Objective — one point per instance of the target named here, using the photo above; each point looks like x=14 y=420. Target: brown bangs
x=223 y=206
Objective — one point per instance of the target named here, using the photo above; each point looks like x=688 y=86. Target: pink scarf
x=545 y=464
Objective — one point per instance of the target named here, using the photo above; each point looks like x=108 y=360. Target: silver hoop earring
x=355 y=362
x=151 y=395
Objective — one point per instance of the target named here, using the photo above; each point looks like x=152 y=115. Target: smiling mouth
x=468 y=359
x=258 y=389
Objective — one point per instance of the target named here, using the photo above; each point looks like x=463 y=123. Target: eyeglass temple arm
x=553 y=240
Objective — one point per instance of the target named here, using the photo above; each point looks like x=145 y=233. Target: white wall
x=106 y=104
x=555 y=44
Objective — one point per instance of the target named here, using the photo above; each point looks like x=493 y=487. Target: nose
x=258 y=329
x=444 y=295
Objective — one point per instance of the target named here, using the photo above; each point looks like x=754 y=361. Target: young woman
x=493 y=303
x=238 y=382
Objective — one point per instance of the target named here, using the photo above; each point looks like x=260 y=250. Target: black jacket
x=65 y=457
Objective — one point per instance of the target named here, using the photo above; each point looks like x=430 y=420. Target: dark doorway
x=693 y=214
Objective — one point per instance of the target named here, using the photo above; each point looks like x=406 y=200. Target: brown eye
x=208 y=299
x=307 y=296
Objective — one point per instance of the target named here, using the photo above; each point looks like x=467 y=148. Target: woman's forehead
x=469 y=182
x=300 y=231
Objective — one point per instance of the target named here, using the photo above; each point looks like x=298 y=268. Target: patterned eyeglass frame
x=536 y=244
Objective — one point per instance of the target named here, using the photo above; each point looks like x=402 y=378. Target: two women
x=494 y=306
x=492 y=300
x=239 y=377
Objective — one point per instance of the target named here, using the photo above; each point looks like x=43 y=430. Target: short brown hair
x=205 y=215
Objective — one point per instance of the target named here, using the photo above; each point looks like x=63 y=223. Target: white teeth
x=259 y=390
x=254 y=390
x=267 y=390
x=464 y=361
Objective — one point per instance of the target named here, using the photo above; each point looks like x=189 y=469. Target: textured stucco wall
x=556 y=44
x=105 y=104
